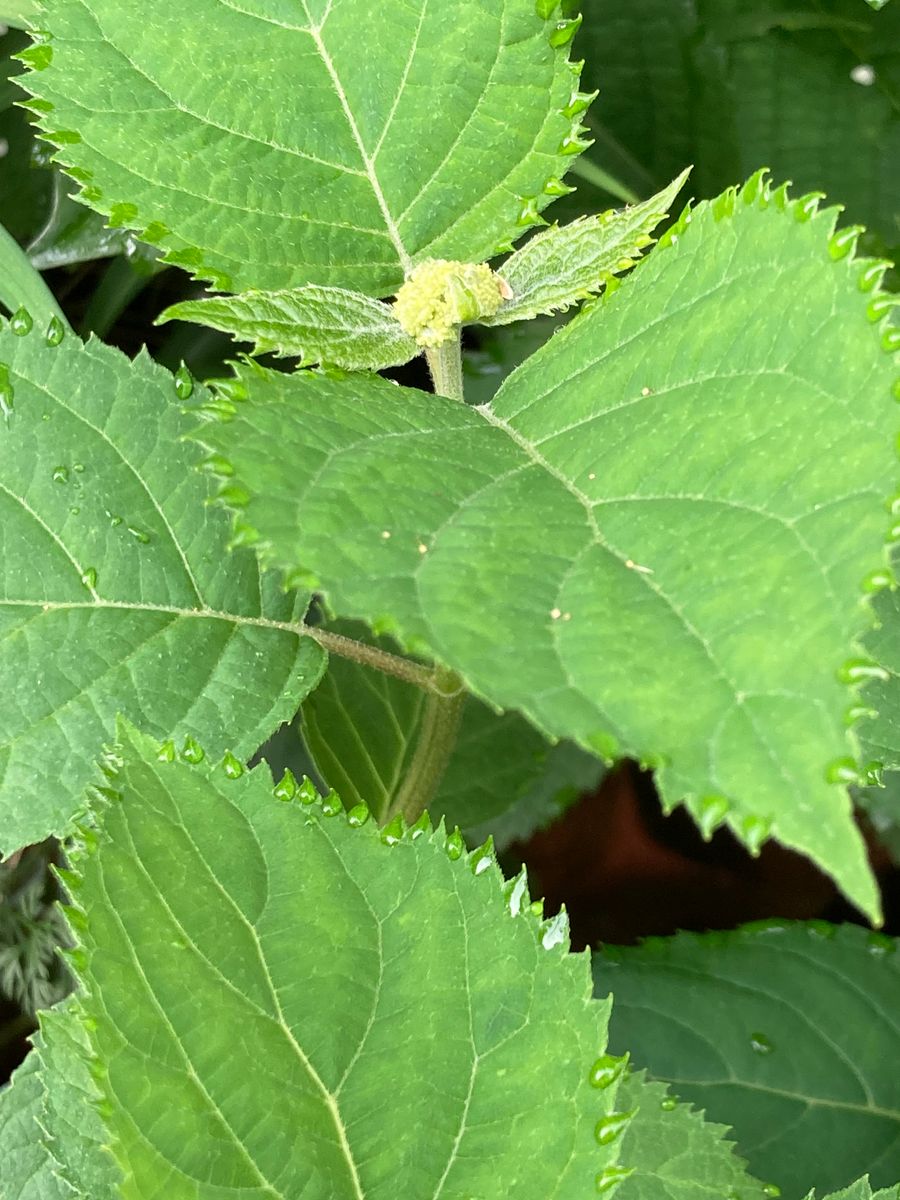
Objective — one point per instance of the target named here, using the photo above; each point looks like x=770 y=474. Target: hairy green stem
x=438 y=729
x=370 y=656
x=445 y=364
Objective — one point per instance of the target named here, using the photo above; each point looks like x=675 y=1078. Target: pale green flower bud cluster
x=440 y=295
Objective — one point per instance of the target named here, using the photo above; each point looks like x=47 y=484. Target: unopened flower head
x=440 y=295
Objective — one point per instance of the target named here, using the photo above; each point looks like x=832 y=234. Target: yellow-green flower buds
x=440 y=295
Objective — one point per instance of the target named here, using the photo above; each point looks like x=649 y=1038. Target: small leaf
x=787 y=1032
x=569 y=263
x=387 y=1020
x=21 y=286
x=317 y=324
x=117 y=589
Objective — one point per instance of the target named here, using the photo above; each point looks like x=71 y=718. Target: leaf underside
x=118 y=592
x=341 y=971
x=789 y=1033
x=334 y=147
x=653 y=541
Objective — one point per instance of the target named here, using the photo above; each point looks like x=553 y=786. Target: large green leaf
x=673 y=1154
x=789 y=1033
x=362 y=726
x=809 y=87
x=270 y=144
x=652 y=541
x=118 y=593
x=383 y=1016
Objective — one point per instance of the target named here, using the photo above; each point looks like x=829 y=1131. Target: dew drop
x=840 y=244
x=515 y=892
x=60 y=474
x=871 y=276
x=528 y=214
x=879 y=307
x=713 y=811
x=871 y=774
x=166 y=752
x=307 y=793
x=610 y=1178
x=606 y=1070
x=139 y=535
x=564 y=32
x=331 y=804
x=856 y=712
x=6 y=392
x=609 y=1127
x=880 y=945
x=55 y=332
x=21 y=322
x=761 y=1044
x=393 y=831
x=233 y=767
x=843 y=771
x=455 y=846
x=755 y=830
x=420 y=827
x=859 y=670
x=74 y=510
x=358 y=815
x=481 y=859
x=89 y=579
x=806 y=206
x=556 y=931
x=772 y=1190
x=876 y=581
x=286 y=788
x=114 y=519
x=890 y=339
x=192 y=751
x=184 y=383
x=669 y=1104
x=78 y=468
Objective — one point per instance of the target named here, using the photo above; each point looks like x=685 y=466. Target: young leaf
x=673 y=1154
x=361 y=728
x=569 y=263
x=317 y=324
x=331 y=148
x=401 y=1019
x=658 y=529
x=862 y=1189
x=788 y=1033
x=28 y=1171
x=118 y=593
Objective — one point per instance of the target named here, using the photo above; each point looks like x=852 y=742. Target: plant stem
x=370 y=656
x=445 y=364
x=439 y=726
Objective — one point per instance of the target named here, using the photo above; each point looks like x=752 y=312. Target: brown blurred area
x=624 y=870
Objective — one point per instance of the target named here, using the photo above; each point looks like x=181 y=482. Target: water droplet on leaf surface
x=21 y=322
x=286 y=788
x=761 y=1044
x=606 y=1070
x=55 y=332
x=232 y=766
x=184 y=383
x=609 y=1127
x=192 y=751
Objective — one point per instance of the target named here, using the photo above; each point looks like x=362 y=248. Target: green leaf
x=72 y=1129
x=118 y=591
x=318 y=324
x=786 y=1032
x=333 y=148
x=728 y=85
x=357 y=986
x=673 y=1154
x=568 y=263
x=658 y=529
x=28 y=1171
x=361 y=728
x=879 y=709
x=74 y=234
x=861 y=1189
